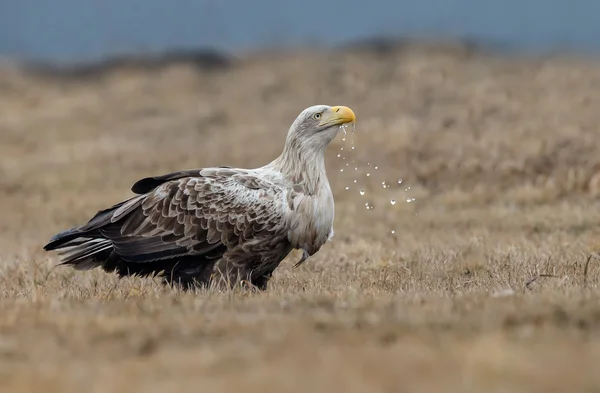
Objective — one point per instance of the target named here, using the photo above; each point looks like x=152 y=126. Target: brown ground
x=483 y=288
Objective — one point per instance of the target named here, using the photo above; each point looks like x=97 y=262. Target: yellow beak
x=338 y=115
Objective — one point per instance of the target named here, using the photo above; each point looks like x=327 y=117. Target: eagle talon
x=305 y=256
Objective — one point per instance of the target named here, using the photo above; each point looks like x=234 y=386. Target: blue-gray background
x=88 y=29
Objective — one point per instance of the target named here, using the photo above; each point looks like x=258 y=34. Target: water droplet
x=409 y=200
x=354 y=180
x=342 y=148
x=352 y=148
x=393 y=201
x=393 y=232
x=356 y=168
x=362 y=192
x=383 y=184
x=399 y=181
x=347 y=187
x=368 y=174
x=368 y=163
x=339 y=155
x=342 y=170
x=347 y=164
x=376 y=167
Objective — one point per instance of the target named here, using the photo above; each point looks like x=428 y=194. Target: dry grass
x=489 y=284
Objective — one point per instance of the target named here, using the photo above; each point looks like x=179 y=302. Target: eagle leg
x=305 y=256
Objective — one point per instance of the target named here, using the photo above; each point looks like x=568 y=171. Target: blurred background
x=75 y=30
x=461 y=99
x=467 y=216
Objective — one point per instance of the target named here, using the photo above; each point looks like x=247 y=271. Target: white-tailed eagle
x=219 y=224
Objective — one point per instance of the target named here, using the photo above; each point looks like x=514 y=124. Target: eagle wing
x=199 y=215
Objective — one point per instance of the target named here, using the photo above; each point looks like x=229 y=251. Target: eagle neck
x=303 y=166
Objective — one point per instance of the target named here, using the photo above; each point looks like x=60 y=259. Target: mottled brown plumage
x=218 y=225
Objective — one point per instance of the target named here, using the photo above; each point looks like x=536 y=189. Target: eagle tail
x=86 y=253
x=85 y=247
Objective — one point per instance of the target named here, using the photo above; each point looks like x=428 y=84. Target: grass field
x=489 y=284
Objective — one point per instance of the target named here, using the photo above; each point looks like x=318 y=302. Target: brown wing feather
x=194 y=215
x=147 y=184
